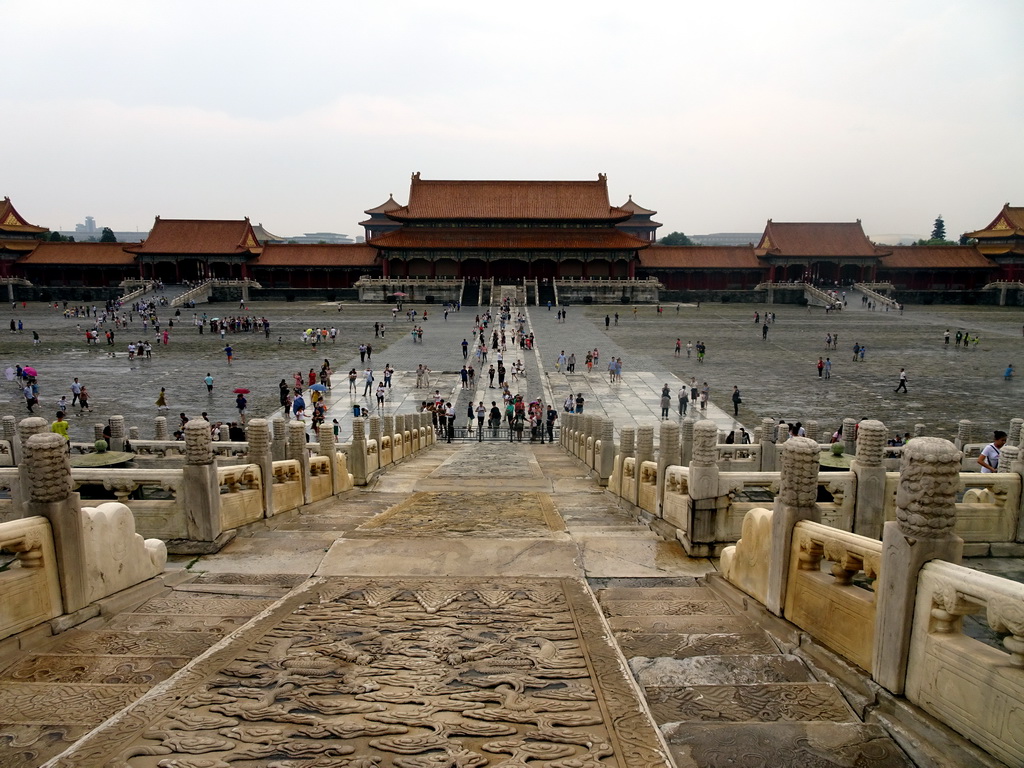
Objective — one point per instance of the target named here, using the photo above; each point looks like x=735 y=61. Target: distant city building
x=896 y=239
x=313 y=238
x=726 y=238
x=90 y=232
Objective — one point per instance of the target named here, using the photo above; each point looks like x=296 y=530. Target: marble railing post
x=388 y=430
x=563 y=434
x=201 y=487
x=160 y=428
x=33 y=425
x=813 y=431
x=133 y=433
x=1013 y=436
x=781 y=434
x=606 y=461
x=297 y=451
x=768 y=462
x=644 y=452
x=850 y=437
x=258 y=433
x=668 y=455
x=703 y=487
x=869 y=510
x=10 y=427
x=49 y=494
x=374 y=431
x=327 y=448
x=963 y=433
x=357 y=453
x=686 y=440
x=919 y=430
x=224 y=433
x=279 y=439
x=797 y=500
x=924 y=530
x=97 y=433
x=400 y=429
x=1011 y=459
x=116 y=433
x=626 y=449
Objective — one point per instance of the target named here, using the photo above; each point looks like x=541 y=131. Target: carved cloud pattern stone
x=478 y=514
x=413 y=674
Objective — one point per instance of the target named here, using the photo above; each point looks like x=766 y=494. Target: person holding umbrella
x=241 y=402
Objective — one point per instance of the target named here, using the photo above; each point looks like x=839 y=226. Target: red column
x=632 y=268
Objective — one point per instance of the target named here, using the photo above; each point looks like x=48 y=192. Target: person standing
x=209 y=383
x=60 y=427
x=368 y=381
x=683 y=395
x=679 y=346
x=989 y=458
x=76 y=390
x=465 y=349
x=579 y=402
x=449 y=416
x=903 y=381
x=736 y=400
x=694 y=391
x=821 y=367
x=227 y=351
x=240 y=404
x=481 y=414
x=83 y=401
x=828 y=368
x=30 y=398
x=666 y=401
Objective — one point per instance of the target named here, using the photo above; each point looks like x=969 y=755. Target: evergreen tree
x=939 y=229
x=108 y=236
x=675 y=238
x=55 y=237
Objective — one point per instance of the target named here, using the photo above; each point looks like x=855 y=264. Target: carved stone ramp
x=397 y=672
x=723 y=694
x=65 y=686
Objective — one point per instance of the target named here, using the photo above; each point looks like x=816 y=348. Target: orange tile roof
x=817 y=239
x=495 y=200
x=700 y=257
x=936 y=257
x=199 y=236
x=84 y=254
x=1009 y=223
x=318 y=255
x=12 y=221
x=509 y=238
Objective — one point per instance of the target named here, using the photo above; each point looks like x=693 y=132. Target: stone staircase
x=721 y=691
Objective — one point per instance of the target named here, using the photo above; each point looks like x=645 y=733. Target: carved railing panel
x=970 y=686
x=837 y=607
x=241 y=495
x=320 y=477
x=675 y=503
x=287 y=490
x=153 y=495
x=647 y=498
x=117 y=556
x=30 y=587
x=746 y=563
x=629 y=479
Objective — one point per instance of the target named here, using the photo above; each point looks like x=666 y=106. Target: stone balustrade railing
x=876 y=297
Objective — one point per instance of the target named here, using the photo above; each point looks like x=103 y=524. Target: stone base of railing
x=191 y=547
x=925 y=740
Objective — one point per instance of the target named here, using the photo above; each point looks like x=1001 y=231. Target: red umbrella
x=241 y=391
x=29 y=370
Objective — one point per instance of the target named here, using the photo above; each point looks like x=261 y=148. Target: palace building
x=513 y=231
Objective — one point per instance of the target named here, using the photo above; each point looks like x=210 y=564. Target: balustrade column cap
x=198 y=442
x=798 y=482
x=48 y=466
x=928 y=487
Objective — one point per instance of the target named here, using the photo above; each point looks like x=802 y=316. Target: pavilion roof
x=316 y=255
x=816 y=239
x=700 y=257
x=264 y=236
x=633 y=208
x=13 y=222
x=231 y=236
x=509 y=238
x=936 y=257
x=514 y=200
x=85 y=254
x=1009 y=223
x=386 y=207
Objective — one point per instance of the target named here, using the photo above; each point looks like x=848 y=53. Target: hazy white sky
x=718 y=115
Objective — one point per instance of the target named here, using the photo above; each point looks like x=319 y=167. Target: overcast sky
x=718 y=115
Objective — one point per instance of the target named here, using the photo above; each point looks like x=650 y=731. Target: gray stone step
x=783 y=745
x=764 y=703
x=720 y=670
x=682 y=646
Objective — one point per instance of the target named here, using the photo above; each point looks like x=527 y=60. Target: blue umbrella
x=319 y=387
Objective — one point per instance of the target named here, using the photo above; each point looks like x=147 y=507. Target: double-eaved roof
x=509 y=238
x=13 y=223
x=1009 y=223
x=500 y=200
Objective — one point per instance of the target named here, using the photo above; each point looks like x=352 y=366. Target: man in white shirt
x=989 y=458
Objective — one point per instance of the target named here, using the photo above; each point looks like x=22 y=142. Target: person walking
x=666 y=401
x=368 y=379
x=209 y=383
x=989 y=458
x=240 y=404
x=903 y=381
x=683 y=395
x=736 y=400
x=821 y=367
x=83 y=401
x=1008 y=373
x=161 y=401
x=230 y=353
x=828 y=368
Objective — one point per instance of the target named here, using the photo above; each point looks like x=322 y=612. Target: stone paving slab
x=72 y=703
x=452 y=557
x=397 y=672
x=116 y=670
x=27 y=746
x=767 y=703
x=161 y=643
x=633 y=556
x=152 y=622
x=784 y=745
x=720 y=670
x=676 y=607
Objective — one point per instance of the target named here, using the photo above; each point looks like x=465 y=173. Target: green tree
x=56 y=237
x=675 y=238
x=939 y=229
x=108 y=236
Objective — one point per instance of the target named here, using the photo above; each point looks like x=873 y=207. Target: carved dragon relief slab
x=408 y=673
